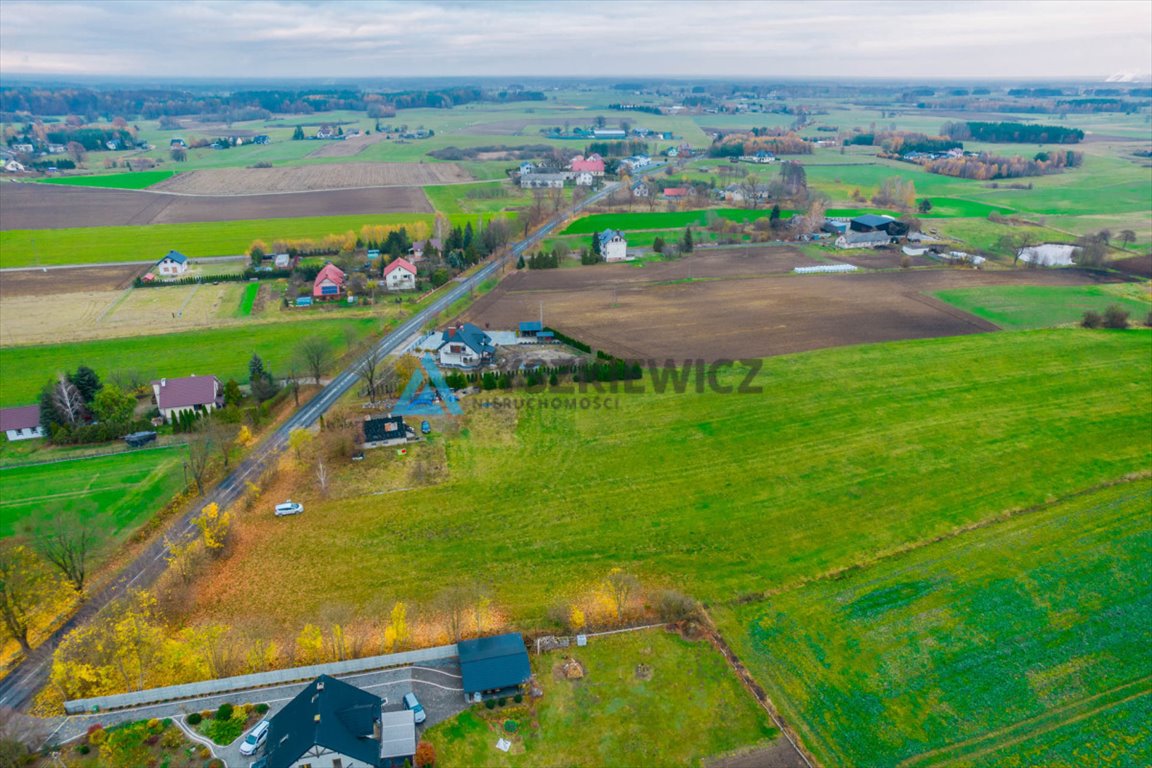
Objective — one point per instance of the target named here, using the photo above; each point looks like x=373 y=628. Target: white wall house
x=174 y=264
x=613 y=245
x=400 y=275
x=189 y=393
x=465 y=346
x=21 y=423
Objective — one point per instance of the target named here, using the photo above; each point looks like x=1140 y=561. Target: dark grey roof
x=491 y=663
x=331 y=713
x=873 y=220
x=385 y=428
x=530 y=326
x=176 y=256
x=472 y=337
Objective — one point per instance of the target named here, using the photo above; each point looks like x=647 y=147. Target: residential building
x=493 y=666
x=585 y=179
x=21 y=423
x=544 y=180
x=593 y=164
x=613 y=245
x=174 y=264
x=863 y=240
x=640 y=189
x=200 y=394
x=676 y=192
x=332 y=723
x=383 y=431
x=400 y=275
x=465 y=346
x=636 y=161
x=329 y=283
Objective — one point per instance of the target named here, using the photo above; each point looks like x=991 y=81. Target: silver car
x=410 y=702
x=289 y=508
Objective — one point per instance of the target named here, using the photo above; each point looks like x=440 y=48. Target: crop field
x=127 y=487
x=1020 y=307
x=659 y=219
x=259 y=181
x=134 y=180
x=38 y=207
x=843 y=453
x=223 y=352
x=687 y=706
x=51 y=282
x=725 y=304
x=996 y=646
x=94 y=245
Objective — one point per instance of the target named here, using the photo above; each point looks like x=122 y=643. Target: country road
x=21 y=684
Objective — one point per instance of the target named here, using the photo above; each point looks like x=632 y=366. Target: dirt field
x=46 y=206
x=54 y=281
x=1141 y=266
x=311 y=178
x=347 y=147
x=881 y=258
x=612 y=307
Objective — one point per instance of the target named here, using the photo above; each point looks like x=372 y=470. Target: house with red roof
x=676 y=192
x=400 y=275
x=593 y=164
x=329 y=283
x=200 y=394
x=21 y=423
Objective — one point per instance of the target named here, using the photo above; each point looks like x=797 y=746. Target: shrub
x=510 y=726
x=675 y=606
x=173 y=738
x=425 y=755
x=518 y=698
x=154 y=725
x=490 y=704
x=215 y=763
x=224 y=712
x=1092 y=319
x=502 y=701
x=83 y=749
x=1148 y=320
x=195 y=718
x=261 y=708
x=1115 y=317
x=204 y=753
x=166 y=722
x=97 y=737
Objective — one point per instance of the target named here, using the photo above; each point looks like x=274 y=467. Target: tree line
x=1020 y=133
x=998 y=167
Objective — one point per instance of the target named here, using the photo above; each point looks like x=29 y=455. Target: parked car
x=137 y=439
x=255 y=738
x=425 y=427
x=261 y=763
x=289 y=508
x=410 y=702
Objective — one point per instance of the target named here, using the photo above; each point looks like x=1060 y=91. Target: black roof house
x=871 y=222
x=386 y=430
x=493 y=666
x=329 y=716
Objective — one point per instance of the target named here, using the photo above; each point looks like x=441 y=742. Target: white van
x=255 y=738
x=289 y=508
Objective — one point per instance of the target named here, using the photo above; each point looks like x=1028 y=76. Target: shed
x=531 y=329
x=493 y=666
x=397 y=738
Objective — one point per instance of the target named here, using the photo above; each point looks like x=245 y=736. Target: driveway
x=436 y=684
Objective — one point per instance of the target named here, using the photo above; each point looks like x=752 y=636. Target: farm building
x=834 y=226
x=544 y=180
x=383 y=431
x=593 y=164
x=465 y=346
x=338 y=723
x=609 y=133
x=329 y=283
x=200 y=394
x=21 y=423
x=530 y=329
x=493 y=666
x=174 y=264
x=613 y=245
x=863 y=240
x=871 y=222
x=1048 y=254
x=283 y=261
x=400 y=275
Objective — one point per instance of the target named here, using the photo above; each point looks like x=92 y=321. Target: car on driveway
x=255 y=738
x=425 y=427
x=261 y=763
x=289 y=508
x=411 y=702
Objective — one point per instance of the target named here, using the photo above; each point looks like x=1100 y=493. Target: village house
x=636 y=161
x=585 y=179
x=640 y=189
x=491 y=667
x=13 y=166
x=384 y=431
x=329 y=283
x=174 y=264
x=674 y=193
x=613 y=245
x=333 y=723
x=761 y=157
x=21 y=423
x=418 y=249
x=465 y=346
x=199 y=394
x=400 y=275
x=863 y=240
x=544 y=180
x=178 y=143
x=593 y=164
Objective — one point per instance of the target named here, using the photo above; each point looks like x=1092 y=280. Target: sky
x=750 y=39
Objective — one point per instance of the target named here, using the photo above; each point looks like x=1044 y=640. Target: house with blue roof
x=613 y=245
x=174 y=264
x=465 y=346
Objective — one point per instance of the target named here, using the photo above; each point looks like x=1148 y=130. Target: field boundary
x=101 y=454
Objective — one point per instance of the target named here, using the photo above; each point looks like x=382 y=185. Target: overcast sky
x=702 y=38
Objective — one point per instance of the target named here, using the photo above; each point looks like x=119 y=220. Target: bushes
x=194 y=719
x=1114 y=317
x=261 y=708
x=490 y=704
x=224 y=712
x=1092 y=319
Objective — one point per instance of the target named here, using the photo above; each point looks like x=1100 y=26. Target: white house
x=585 y=179
x=863 y=240
x=613 y=245
x=544 y=180
x=465 y=346
x=21 y=423
x=174 y=264
x=199 y=394
x=400 y=275
x=12 y=166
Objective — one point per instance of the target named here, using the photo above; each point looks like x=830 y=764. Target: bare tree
x=199 y=454
x=454 y=603
x=66 y=541
x=621 y=585
x=753 y=188
x=315 y=353
x=68 y=401
x=369 y=371
x=322 y=475
x=221 y=436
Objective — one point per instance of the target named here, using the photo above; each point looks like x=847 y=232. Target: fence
x=258 y=680
x=555 y=642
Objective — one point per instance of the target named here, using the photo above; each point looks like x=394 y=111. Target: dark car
x=137 y=439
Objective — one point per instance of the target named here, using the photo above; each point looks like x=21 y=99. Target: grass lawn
x=248 y=299
x=135 y=180
x=1022 y=307
x=660 y=219
x=721 y=495
x=999 y=646
x=224 y=352
x=693 y=707
x=128 y=487
x=90 y=245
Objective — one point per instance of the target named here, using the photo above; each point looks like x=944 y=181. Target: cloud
x=348 y=38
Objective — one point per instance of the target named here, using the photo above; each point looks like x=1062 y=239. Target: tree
x=924 y=206
x=260 y=381
x=687 y=244
x=620 y=585
x=315 y=352
x=221 y=436
x=199 y=454
x=369 y=371
x=182 y=557
x=1091 y=251
x=112 y=405
x=66 y=541
x=520 y=262
x=68 y=402
x=399 y=625
x=322 y=475
x=233 y=396
x=214 y=526
x=453 y=603
x=1104 y=236
x=1115 y=317
x=76 y=151
x=1092 y=319
x=87 y=382
x=299 y=440
x=752 y=188
x=25 y=584
x=1126 y=237
x=658 y=245
x=178 y=154
x=298 y=134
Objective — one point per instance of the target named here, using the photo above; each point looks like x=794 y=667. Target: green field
x=92 y=245
x=223 y=352
x=977 y=648
x=692 y=708
x=134 y=180
x=724 y=495
x=128 y=487
x=248 y=300
x=660 y=219
x=1014 y=307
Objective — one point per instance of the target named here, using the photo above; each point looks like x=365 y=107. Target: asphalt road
x=21 y=684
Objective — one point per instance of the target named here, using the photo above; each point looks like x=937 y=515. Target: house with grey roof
x=383 y=431
x=613 y=245
x=200 y=394
x=21 y=423
x=493 y=666
x=465 y=346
